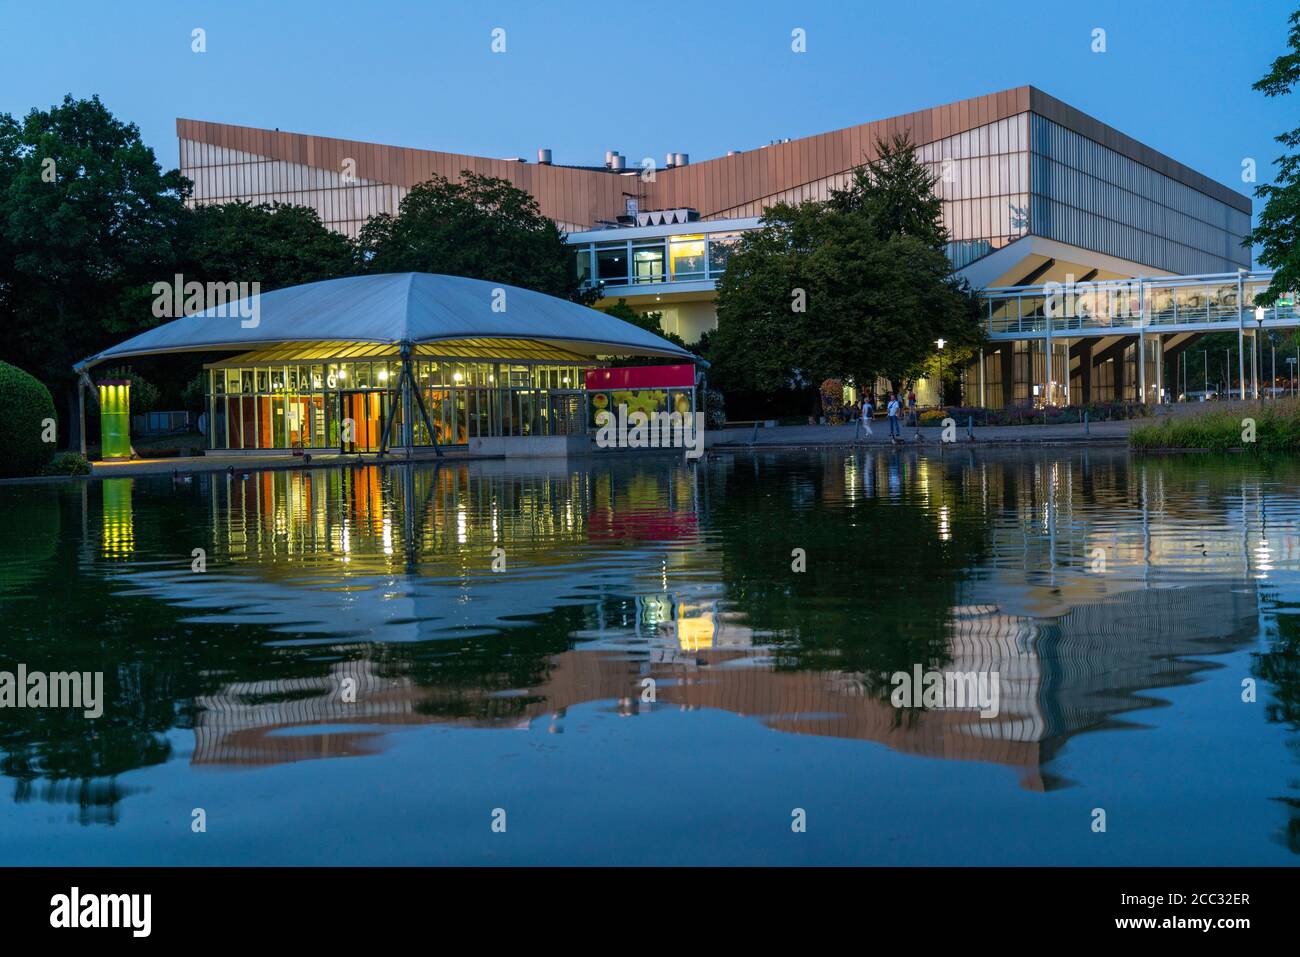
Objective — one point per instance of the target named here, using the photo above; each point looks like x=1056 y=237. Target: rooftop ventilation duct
x=544 y=157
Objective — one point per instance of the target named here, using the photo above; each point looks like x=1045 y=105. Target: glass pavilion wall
x=342 y=405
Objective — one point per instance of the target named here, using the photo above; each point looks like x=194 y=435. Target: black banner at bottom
x=336 y=906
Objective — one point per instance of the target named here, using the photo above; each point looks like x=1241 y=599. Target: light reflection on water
x=340 y=610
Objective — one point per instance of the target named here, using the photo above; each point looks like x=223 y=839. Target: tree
x=274 y=244
x=895 y=191
x=1280 y=218
x=481 y=227
x=858 y=286
x=87 y=223
x=650 y=322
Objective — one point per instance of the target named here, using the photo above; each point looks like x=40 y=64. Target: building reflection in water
x=402 y=556
x=382 y=578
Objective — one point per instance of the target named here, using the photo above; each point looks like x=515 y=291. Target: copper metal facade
x=347 y=181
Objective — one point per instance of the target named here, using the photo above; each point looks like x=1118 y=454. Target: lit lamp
x=115 y=418
x=939 y=343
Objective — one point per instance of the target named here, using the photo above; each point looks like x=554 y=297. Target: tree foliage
x=650 y=322
x=88 y=221
x=858 y=286
x=481 y=227
x=274 y=244
x=1278 y=222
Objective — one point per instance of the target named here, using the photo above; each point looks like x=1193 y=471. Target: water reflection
x=340 y=607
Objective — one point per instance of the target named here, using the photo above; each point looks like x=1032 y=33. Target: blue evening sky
x=645 y=78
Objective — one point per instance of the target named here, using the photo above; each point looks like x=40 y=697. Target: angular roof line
x=716 y=187
x=392 y=308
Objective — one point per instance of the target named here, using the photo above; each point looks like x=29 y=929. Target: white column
x=1141 y=343
x=1241 y=337
x=1160 y=367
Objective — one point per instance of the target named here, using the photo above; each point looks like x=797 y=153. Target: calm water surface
x=1122 y=602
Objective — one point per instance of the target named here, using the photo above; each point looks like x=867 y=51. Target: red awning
x=641 y=377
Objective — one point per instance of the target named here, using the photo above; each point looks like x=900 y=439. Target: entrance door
x=360 y=420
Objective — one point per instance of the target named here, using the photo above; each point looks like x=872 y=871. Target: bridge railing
x=1095 y=307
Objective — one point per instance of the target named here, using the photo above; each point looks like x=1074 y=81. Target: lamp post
x=1257 y=353
x=939 y=343
x=1291 y=362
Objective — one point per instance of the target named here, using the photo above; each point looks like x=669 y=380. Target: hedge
x=25 y=407
x=1273 y=428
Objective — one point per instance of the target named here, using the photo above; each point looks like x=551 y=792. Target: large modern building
x=1033 y=190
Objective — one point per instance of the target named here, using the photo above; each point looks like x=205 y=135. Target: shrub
x=1027 y=415
x=832 y=391
x=194 y=395
x=715 y=410
x=25 y=407
x=67 y=463
x=1276 y=429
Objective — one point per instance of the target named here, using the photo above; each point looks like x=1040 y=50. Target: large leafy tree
x=481 y=227
x=275 y=245
x=895 y=192
x=858 y=286
x=87 y=224
x=272 y=244
x=1279 y=220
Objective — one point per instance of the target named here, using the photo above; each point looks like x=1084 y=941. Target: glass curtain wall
x=343 y=405
x=982 y=176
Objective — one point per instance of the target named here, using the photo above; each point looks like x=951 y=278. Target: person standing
x=892 y=410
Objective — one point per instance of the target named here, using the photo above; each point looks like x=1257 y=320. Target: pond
x=661 y=661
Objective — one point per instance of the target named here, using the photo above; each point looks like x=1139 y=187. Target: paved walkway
x=1099 y=433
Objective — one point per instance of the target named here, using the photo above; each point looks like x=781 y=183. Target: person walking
x=892 y=410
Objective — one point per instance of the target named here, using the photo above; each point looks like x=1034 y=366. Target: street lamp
x=939 y=343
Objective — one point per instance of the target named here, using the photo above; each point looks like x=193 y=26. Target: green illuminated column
x=115 y=418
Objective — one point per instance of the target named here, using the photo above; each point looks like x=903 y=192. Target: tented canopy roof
x=419 y=308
